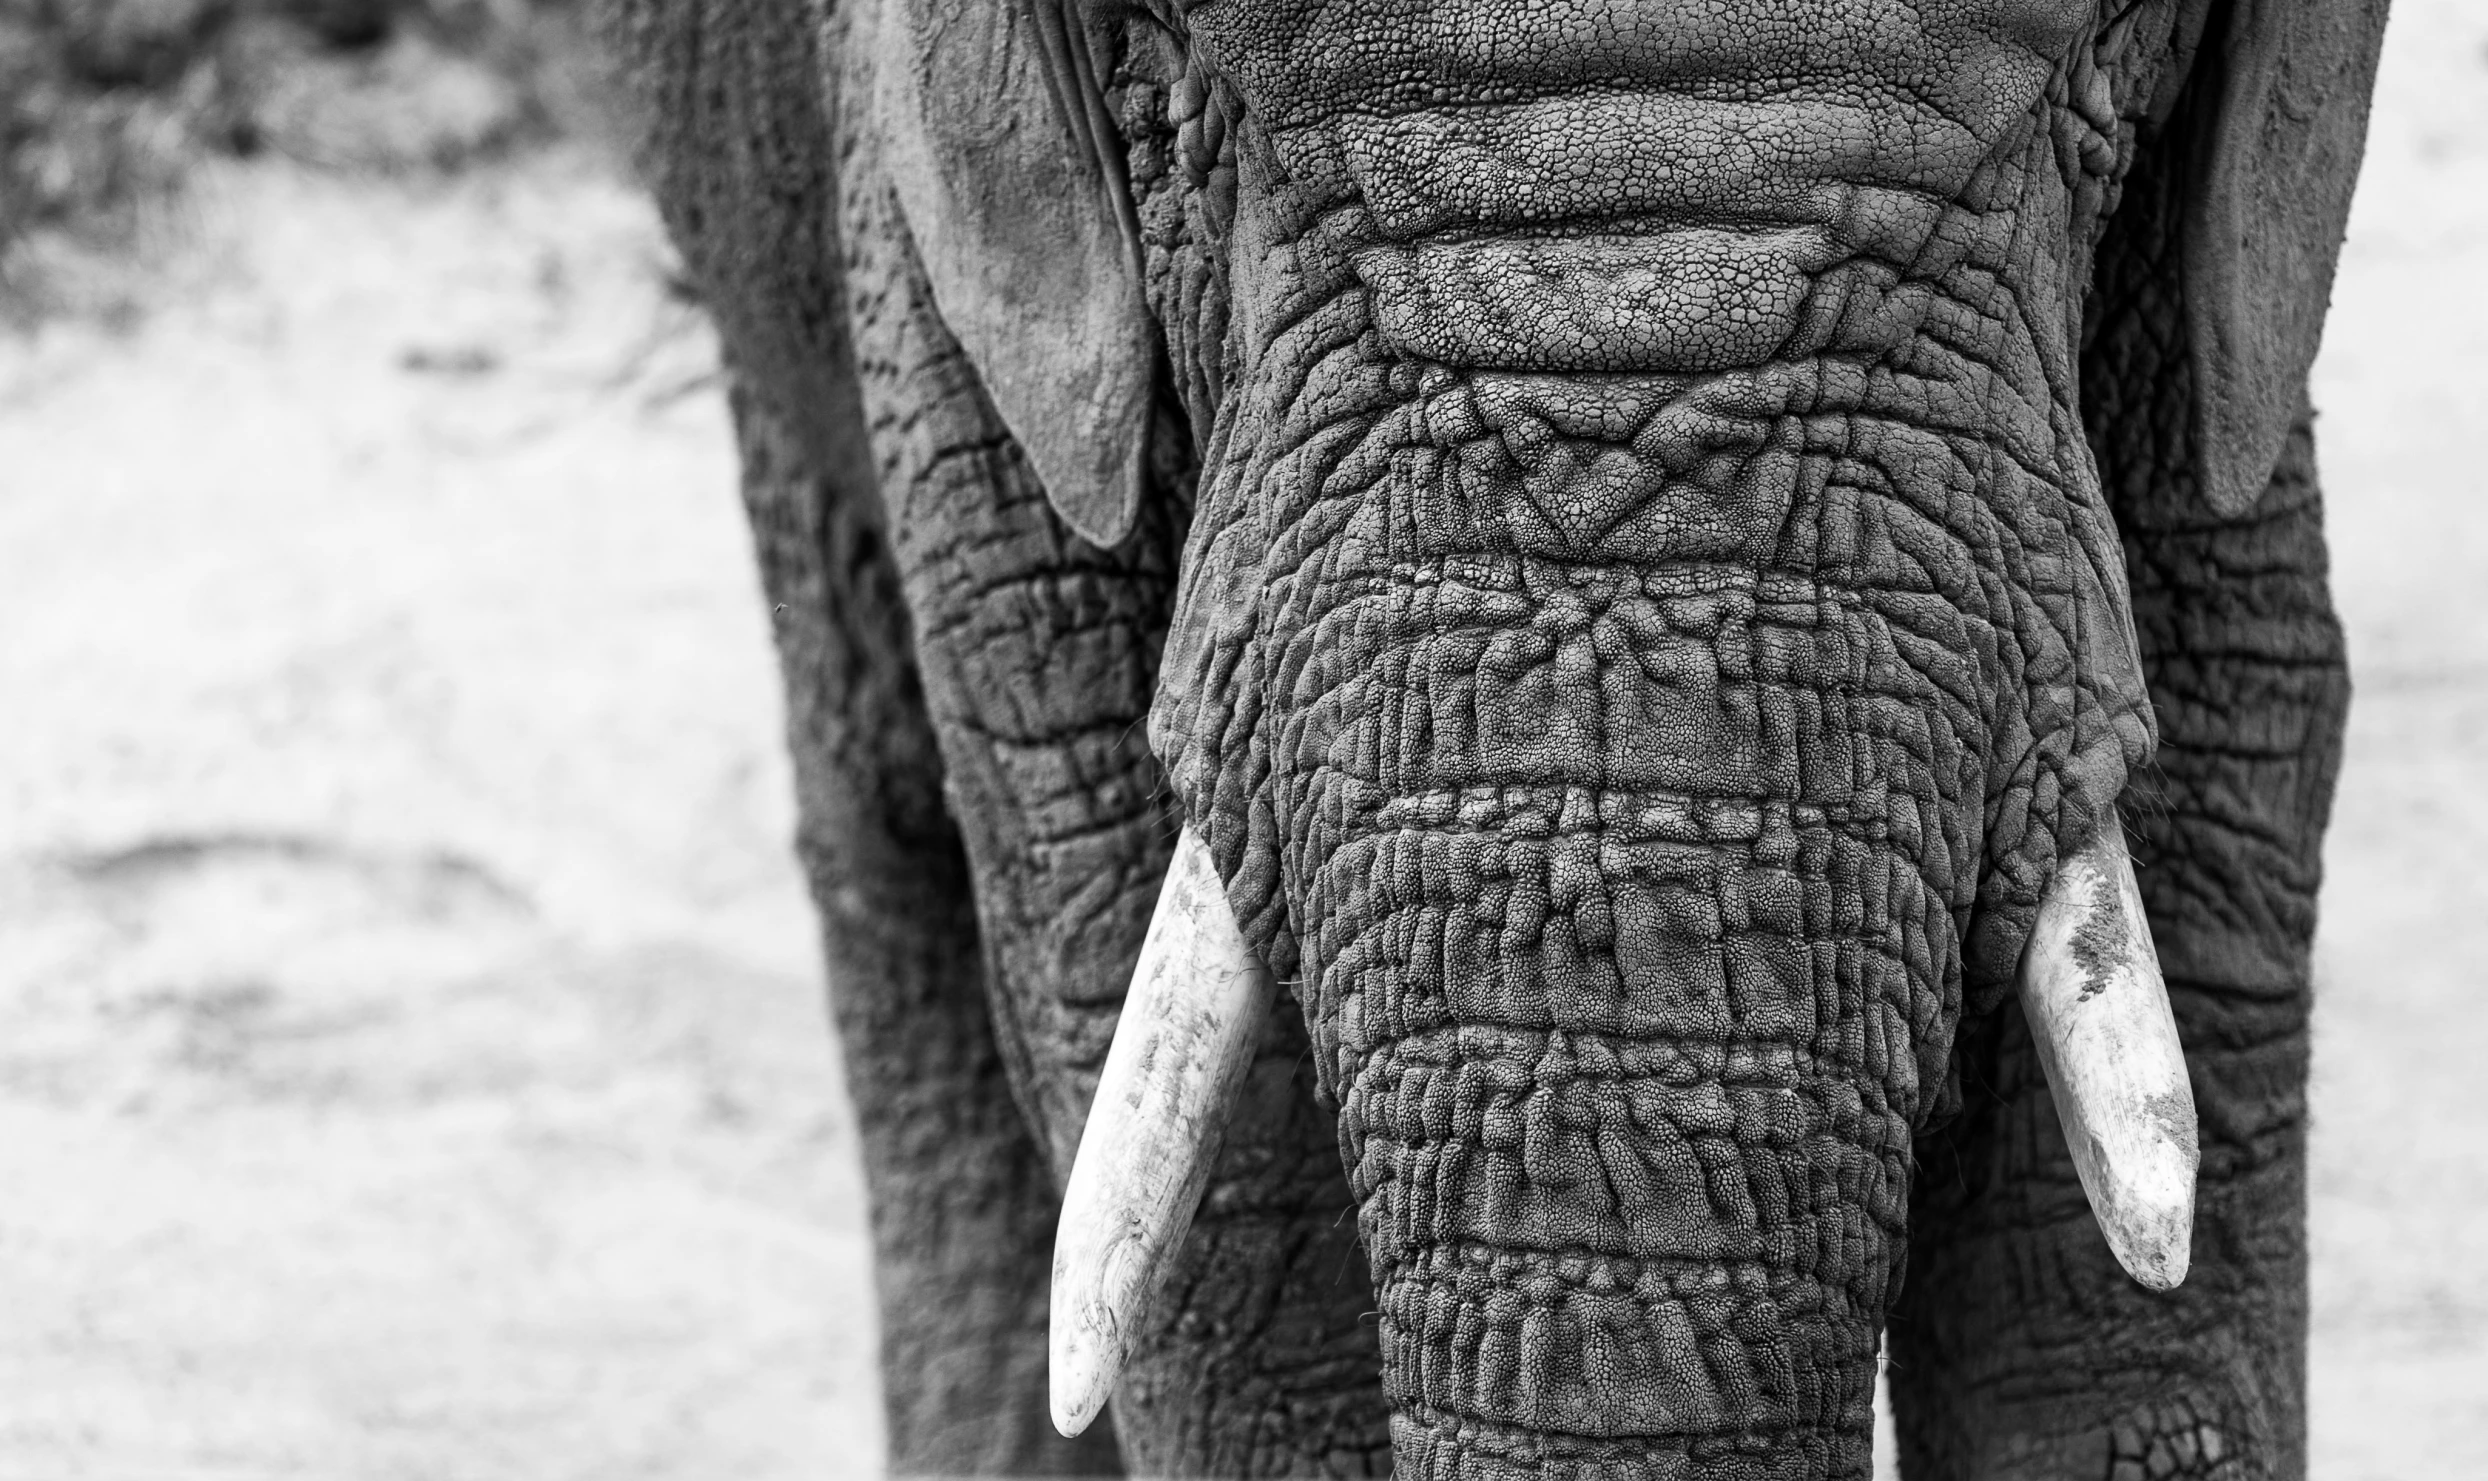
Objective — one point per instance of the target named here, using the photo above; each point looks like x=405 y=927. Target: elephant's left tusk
x=1172 y=1075
x=2098 y=1010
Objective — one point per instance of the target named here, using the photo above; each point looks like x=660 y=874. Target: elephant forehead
x=1613 y=155
x=1684 y=301
x=1977 y=62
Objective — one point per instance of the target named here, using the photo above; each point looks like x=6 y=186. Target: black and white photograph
x=1469 y=740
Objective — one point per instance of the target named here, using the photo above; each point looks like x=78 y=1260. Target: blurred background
x=412 y=1060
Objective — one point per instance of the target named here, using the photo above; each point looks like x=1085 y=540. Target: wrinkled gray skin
x=1639 y=530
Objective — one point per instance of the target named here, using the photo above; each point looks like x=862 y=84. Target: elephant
x=1624 y=553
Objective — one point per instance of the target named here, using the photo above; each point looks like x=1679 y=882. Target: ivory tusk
x=1187 y=1035
x=2098 y=1009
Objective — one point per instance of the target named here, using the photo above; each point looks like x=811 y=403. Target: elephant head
x=1653 y=657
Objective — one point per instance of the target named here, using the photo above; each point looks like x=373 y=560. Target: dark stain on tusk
x=1189 y=1027
x=2098 y=1010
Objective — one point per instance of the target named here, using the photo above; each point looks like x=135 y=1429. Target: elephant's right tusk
x=2098 y=1010
x=1172 y=1075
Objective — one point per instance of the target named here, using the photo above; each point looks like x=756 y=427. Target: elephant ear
x=2279 y=120
x=1010 y=174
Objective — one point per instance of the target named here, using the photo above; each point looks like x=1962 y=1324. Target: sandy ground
x=413 y=1063
x=411 y=1060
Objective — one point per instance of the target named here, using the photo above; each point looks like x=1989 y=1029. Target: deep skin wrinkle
x=1651 y=621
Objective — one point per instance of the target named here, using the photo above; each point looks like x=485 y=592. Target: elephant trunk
x=1630 y=1184
x=1591 y=1239
x=1648 y=638
x=1629 y=868
x=1627 y=1070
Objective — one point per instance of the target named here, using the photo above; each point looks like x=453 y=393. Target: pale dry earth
x=411 y=1055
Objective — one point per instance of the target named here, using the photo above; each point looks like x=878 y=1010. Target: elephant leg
x=963 y=1205
x=2018 y=1348
x=1040 y=658
x=733 y=137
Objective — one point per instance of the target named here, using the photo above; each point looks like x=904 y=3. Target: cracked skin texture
x=1643 y=639
x=1633 y=583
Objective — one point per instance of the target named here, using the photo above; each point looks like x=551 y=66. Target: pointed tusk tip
x=2157 y=1265
x=1068 y=1421
x=2153 y=1238
x=1083 y=1360
x=1077 y=1388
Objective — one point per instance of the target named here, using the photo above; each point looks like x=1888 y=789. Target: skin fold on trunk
x=2090 y=983
x=1638 y=666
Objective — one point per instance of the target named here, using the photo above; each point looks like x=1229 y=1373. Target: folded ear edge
x=1007 y=170
x=2277 y=149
